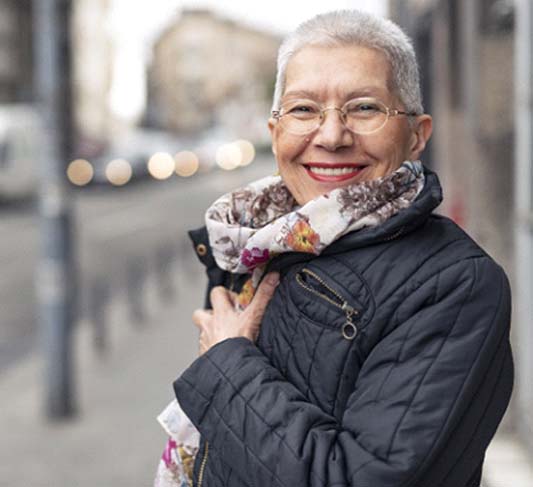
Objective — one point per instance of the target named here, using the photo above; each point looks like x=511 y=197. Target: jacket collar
x=402 y=223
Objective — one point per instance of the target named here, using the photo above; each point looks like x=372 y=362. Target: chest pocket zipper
x=316 y=285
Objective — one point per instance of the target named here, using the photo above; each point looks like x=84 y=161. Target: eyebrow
x=363 y=91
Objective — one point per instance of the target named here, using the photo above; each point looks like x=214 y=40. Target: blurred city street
x=121 y=386
x=121 y=236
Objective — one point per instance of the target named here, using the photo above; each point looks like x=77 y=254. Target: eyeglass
x=360 y=115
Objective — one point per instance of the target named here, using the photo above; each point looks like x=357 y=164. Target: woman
x=351 y=336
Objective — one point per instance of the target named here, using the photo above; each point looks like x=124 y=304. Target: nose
x=333 y=134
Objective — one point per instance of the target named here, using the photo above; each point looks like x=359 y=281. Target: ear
x=272 y=122
x=421 y=132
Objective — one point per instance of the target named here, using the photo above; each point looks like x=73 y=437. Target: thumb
x=264 y=294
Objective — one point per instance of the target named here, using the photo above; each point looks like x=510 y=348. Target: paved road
x=122 y=234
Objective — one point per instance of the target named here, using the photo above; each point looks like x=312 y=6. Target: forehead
x=338 y=71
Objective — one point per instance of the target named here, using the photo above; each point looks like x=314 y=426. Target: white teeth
x=333 y=171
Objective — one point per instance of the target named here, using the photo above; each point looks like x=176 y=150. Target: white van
x=20 y=136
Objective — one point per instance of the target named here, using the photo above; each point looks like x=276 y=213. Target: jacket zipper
x=349 y=330
x=202 y=465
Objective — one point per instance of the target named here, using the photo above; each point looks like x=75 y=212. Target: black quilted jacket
x=384 y=362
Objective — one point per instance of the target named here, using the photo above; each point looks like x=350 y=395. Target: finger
x=233 y=296
x=201 y=316
x=202 y=344
x=220 y=298
x=264 y=294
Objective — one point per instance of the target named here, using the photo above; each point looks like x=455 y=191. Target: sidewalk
x=507 y=464
x=115 y=441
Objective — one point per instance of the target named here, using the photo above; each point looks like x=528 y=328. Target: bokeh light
x=228 y=156
x=80 y=172
x=161 y=165
x=118 y=172
x=247 y=151
x=186 y=163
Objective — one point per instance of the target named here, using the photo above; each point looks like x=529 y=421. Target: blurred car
x=134 y=150
x=21 y=137
x=207 y=146
x=118 y=169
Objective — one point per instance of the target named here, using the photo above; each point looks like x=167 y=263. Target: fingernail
x=273 y=278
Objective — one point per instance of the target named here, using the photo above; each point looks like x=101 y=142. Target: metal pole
x=470 y=64
x=523 y=308
x=55 y=283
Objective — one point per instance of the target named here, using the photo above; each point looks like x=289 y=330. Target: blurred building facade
x=92 y=63
x=469 y=53
x=208 y=71
x=16 y=72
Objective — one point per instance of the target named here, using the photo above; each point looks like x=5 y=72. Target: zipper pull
x=349 y=330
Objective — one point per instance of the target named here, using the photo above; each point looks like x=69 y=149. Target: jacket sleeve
x=425 y=405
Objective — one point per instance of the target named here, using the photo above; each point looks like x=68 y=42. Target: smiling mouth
x=333 y=172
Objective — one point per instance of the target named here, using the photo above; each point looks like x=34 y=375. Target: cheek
x=391 y=148
x=287 y=149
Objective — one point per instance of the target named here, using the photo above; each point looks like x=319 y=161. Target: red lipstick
x=348 y=171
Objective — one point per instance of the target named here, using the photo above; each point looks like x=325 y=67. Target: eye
x=302 y=109
x=364 y=107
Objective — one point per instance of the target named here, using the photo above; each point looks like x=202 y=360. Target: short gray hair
x=353 y=27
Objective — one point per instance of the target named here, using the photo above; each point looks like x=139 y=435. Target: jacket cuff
x=196 y=389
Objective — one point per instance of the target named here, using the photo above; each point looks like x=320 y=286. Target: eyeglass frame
x=390 y=112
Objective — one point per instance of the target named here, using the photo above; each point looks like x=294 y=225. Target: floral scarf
x=250 y=226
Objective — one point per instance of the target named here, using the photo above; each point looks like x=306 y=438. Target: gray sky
x=281 y=15
x=146 y=17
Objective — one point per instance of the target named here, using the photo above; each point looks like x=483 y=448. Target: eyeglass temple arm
x=393 y=113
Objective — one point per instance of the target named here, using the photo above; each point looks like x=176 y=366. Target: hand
x=224 y=322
